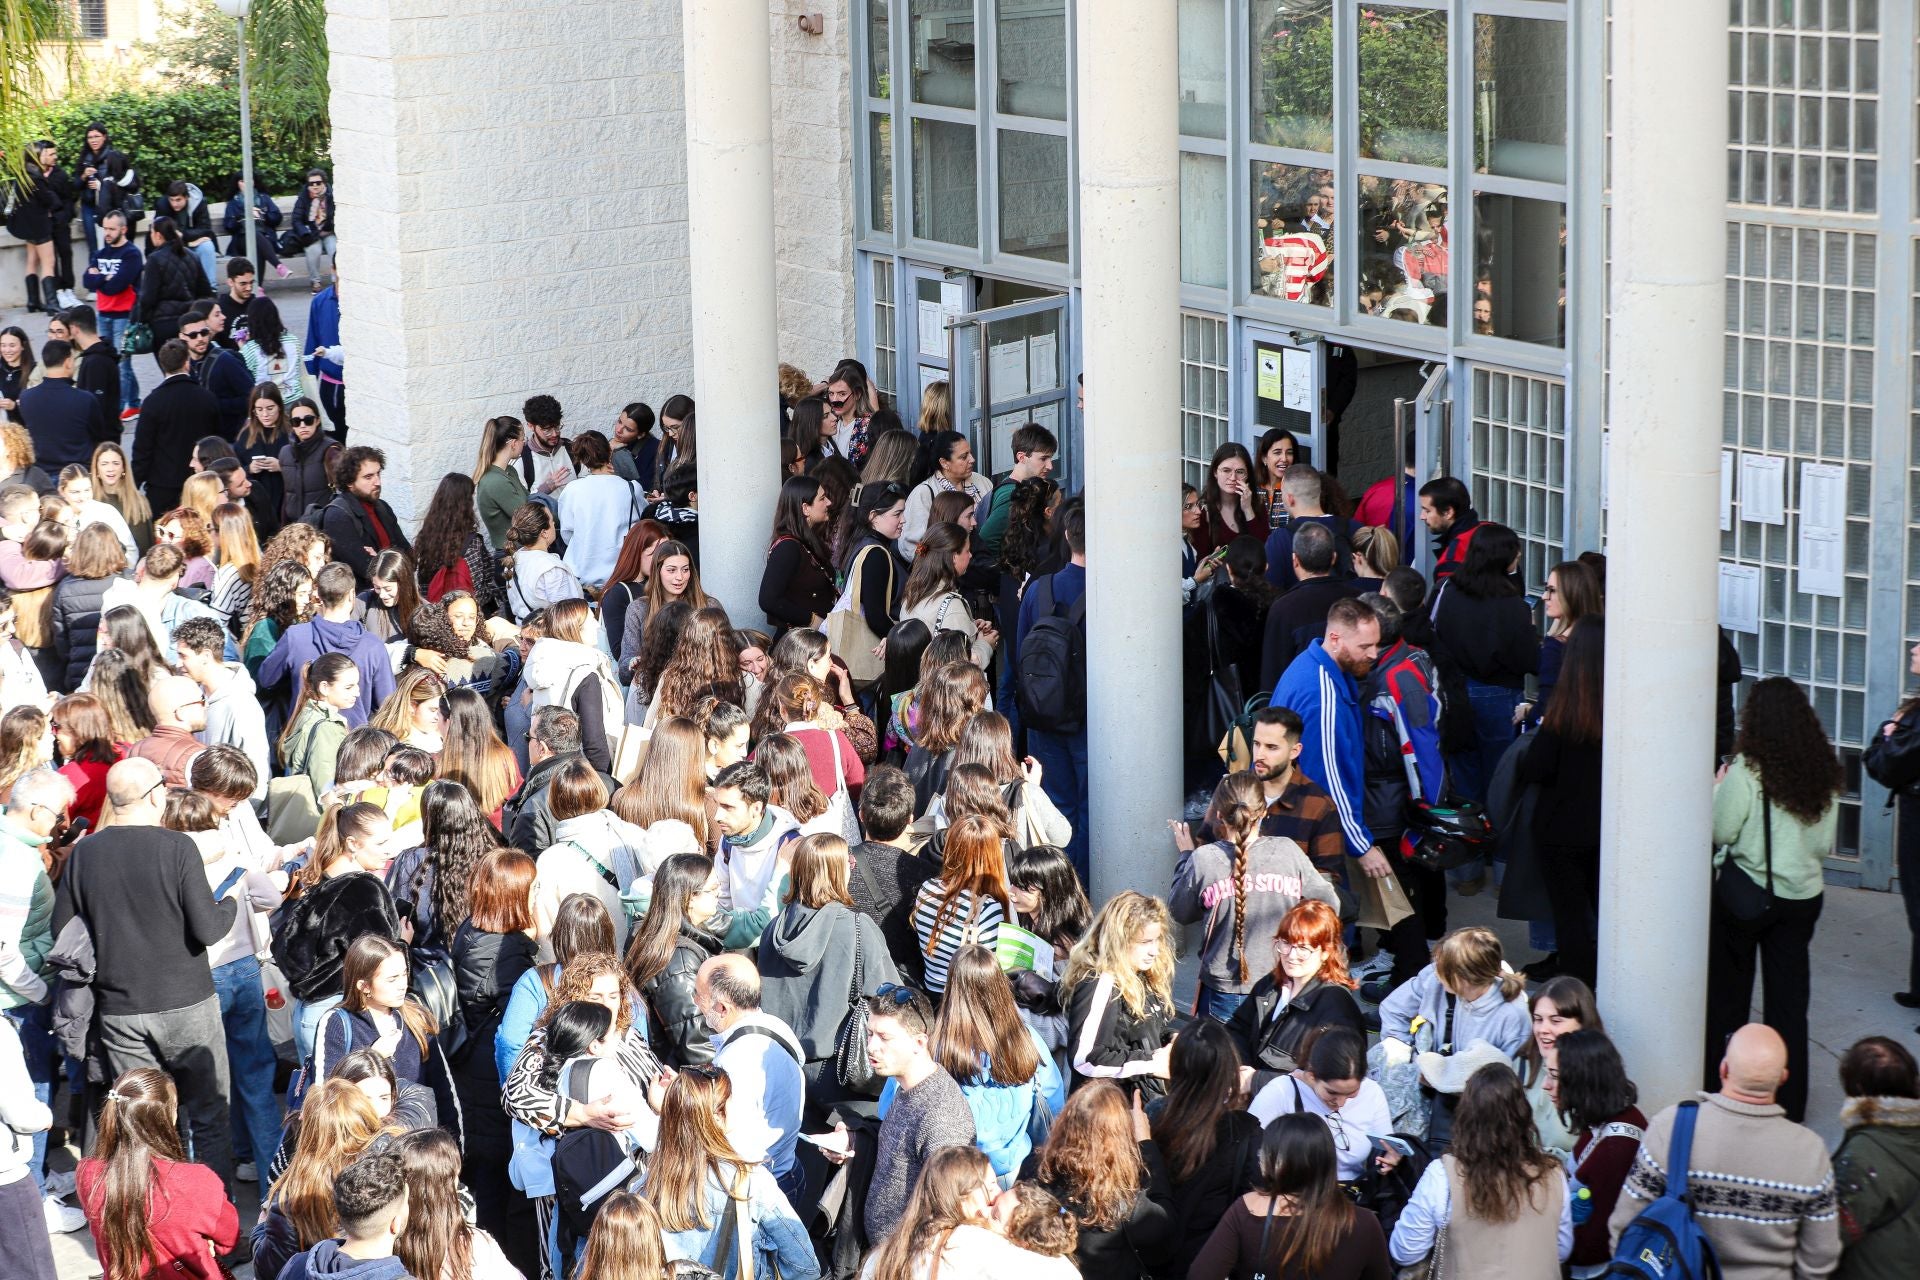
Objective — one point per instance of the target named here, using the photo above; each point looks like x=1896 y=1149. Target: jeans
x=323 y=246
x=250 y=1061
x=209 y=260
x=1906 y=852
x=1786 y=979
x=1063 y=763
x=1471 y=772
x=190 y=1045
x=26 y=1252
x=306 y=1022
x=34 y=1022
x=113 y=328
x=333 y=399
x=1218 y=1005
x=90 y=224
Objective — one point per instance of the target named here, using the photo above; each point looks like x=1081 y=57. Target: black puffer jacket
x=679 y=1030
x=485 y=967
x=311 y=934
x=77 y=605
x=169 y=283
x=306 y=475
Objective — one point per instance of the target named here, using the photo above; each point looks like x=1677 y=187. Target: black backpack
x=589 y=1164
x=1052 y=682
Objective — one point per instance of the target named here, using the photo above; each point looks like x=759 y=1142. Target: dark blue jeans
x=1218 y=1005
x=250 y=1061
x=1491 y=707
x=35 y=1024
x=113 y=329
x=1063 y=765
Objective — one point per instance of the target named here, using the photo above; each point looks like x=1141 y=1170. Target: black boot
x=33 y=293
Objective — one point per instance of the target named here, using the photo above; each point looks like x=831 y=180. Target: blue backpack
x=1664 y=1242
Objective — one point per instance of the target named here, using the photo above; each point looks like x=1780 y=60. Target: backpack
x=1052 y=680
x=589 y=1164
x=454 y=577
x=1663 y=1242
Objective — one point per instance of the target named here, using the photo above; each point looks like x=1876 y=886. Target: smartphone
x=77 y=828
x=233 y=877
x=1221 y=554
x=1401 y=1145
x=1533 y=602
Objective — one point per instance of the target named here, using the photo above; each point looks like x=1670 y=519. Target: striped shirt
x=969 y=920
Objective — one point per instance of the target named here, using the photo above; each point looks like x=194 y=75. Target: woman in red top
x=84 y=739
x=1596 y=1099
x=151 y=1212
x=1231 y=508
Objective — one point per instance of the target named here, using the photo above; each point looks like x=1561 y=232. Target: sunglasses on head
x=895 y=992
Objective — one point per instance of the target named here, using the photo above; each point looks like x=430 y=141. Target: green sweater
x=313 y=747
x=500 y=493
x=1799 y=849
x=26 y=916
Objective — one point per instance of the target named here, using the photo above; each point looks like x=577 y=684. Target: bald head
x=1755 y=1065
x=179 y=702
x=134 y=786
x=727 y=986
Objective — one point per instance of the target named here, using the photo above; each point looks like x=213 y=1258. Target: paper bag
x=1383 y=903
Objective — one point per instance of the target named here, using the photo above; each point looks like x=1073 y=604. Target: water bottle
x=275 y=1000
x=1582 y=1206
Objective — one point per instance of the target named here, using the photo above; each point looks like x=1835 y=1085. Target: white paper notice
x=1823 y=498
x=1763 y=488
x=1047 y=415
x=933 y=330
x=1296 y=372
x=928 y=376
x=1740 y=597
x=1821 y=572
x=1043 y=363
x=1007 y=370
x=953 y=298
x=1726 y=490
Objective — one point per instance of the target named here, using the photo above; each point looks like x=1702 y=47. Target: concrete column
x=1129 y=97
x=1669 y=218
x=730 y=251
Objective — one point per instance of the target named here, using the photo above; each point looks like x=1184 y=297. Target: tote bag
x=848 y=634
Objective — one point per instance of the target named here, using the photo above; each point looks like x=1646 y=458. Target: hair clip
x=114 y=1095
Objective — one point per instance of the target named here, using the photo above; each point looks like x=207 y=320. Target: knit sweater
x=1740 y=825
x=1761 y=1188
x=1278 y=878
x=932 y=1114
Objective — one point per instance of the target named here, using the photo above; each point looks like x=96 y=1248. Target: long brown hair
x=633 y=551
x=1203 y=1085
x=625 y=1243
x=979 y=1023
x=136 y=1127
x=950 y=696
x=672 y=781
x=362 y=964
x=1091 y=1156
x=1238 y=806
x=695 y=596
x=973 y=863
x=1781 y=735
x=692 y=1143
x=933 y=1212
x=1576 y=711
x=437 y=1242
x=472 y=753
x=934 y=573
x=794 y=787
x=819 y=871
x=337 y=1121
x=675 y=881
x=705 y=662
x=987 y=740
x=1297 y=1162
x=1497 y=1145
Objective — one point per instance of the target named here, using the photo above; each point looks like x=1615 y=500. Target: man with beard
x=1298 y=808
x=1321 y=687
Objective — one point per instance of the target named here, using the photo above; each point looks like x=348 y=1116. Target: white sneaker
x=67 y=298
x=58 y=1184
x=62 y=1217
x=1378 y=962
x=246 y=1171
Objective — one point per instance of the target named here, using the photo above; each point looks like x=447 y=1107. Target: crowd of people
x=497 y=903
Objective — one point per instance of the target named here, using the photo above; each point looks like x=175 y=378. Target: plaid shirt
x=1305 y=815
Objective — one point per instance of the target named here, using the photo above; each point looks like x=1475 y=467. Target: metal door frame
x=967 y=339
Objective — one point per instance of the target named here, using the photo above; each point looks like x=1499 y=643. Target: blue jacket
x=323 y=330
x=114 y=271
x=1333 y=749
x=235 y=221
x=305 y=641
x=1004 y=1123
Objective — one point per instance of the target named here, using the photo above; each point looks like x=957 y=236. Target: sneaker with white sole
x=58 y=1184
x=246 y=1171
x=62 y=1218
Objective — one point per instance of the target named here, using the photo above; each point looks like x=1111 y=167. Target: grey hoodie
x=325 y=1259
x=806 y=961
x=236 y=718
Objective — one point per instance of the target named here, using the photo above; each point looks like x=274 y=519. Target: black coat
x=173 y=417
x=485 y=967
x=345 y=522
x=98 y=373
x=311 y=934
x=227 y=377
x=170 y=283
x=1269 y=1044
x=527 y=818
x=679 y=1030
x=111 y=168
x=1296 y=620
x=1203 y=1197
x=77 y=605
x=65 y=422
x=304 y=226
x=306 y=475
x=1141 y=1246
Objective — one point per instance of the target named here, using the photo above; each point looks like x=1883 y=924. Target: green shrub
x=190 y=135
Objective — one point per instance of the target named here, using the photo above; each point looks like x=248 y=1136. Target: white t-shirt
x=1364 y=1117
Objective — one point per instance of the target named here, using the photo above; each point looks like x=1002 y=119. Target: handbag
x=136 y=339
x=1225 y=698
x=1749 y=903
x=848 y=634
x=293 y=814
x=850 y=1065
x=840 y=803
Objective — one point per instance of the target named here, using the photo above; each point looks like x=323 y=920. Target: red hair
x=1315 y=924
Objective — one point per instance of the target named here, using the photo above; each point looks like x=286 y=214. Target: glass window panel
x=945 y=183
x=1293 y=232
x=1403 y=85
x=1030 y=56
x=1203 y=220
x=941 y=36
x=1520 y=103
x=1203 y=68
x=1292 y=75
x=879 y=48
x=1520 y=289
x=1034 y=208
x=880 y=172
x=1404 y=250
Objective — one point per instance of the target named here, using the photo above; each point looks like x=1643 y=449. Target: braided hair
x=1238 y=805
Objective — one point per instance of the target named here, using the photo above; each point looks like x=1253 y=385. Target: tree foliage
x=189 y=135
x=31 y=33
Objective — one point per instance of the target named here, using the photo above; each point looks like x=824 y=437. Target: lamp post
x=237 y=10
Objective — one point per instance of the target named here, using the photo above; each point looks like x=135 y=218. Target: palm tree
x=29 y=29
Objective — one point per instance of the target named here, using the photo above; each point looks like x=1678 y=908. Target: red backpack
x=455 y=577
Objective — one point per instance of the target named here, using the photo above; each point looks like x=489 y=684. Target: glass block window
x=884 y=375
x=1799 y=385
x=1519 y=441
x=1204 y=370
x=1803 y=104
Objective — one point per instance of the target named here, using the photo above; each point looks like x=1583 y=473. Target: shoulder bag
x=1751 y=904
x=847 y=631
x=840 y=803
x=735 y=1238
x=850 y=1065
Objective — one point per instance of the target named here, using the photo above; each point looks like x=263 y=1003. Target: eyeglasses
x=1549 y=591
x=306 y=419
x=59 y=815
x=1286 y=944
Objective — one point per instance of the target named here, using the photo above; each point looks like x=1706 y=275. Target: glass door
x=938 y=297
x=1282 y=378
x=1012 y=364
x=1432 y=412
